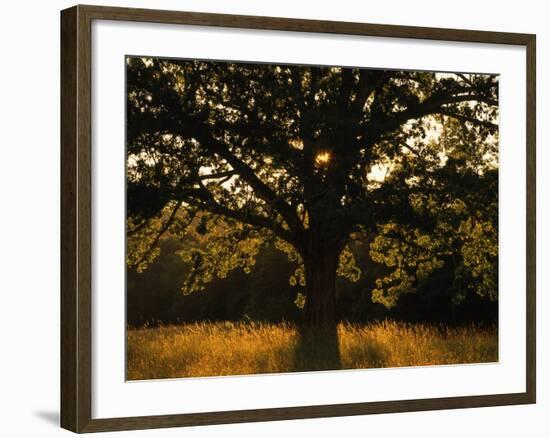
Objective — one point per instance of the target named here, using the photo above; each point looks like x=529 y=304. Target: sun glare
x=322 y=158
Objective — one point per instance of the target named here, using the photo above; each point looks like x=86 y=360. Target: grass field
x=217 y=349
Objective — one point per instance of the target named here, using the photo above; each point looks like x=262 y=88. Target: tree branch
x=214 y=207
x=369 y=82
x=218 y=175
x=429 y=106
x=202 y=134
x=490 y=125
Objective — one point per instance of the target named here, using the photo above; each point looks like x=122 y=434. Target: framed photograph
x=270 y=218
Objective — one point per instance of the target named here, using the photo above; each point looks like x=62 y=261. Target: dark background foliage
x=154 y=296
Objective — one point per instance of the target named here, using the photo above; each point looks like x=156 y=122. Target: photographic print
x=292 y=218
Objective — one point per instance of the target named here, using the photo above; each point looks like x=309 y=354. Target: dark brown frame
x=76 y=243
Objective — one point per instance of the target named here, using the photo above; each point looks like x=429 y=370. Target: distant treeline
x=154 y=296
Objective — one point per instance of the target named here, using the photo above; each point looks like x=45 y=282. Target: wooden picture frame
x=76 y=218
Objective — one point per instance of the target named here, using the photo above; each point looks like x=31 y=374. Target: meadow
x=235 y=348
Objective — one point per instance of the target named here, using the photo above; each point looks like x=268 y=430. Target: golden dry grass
x=226 y=348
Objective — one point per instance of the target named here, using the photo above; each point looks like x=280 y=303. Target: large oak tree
x=307 y=158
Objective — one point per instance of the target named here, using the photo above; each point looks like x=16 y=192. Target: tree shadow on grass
x=317 y=349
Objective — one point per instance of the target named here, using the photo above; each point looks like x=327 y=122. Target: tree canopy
x=307 y=159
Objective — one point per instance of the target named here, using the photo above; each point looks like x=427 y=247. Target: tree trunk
x=321 y=263
x=318 y=347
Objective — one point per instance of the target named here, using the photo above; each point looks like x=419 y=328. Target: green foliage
x=143 y=237
x=479 y=256
x=140 y=252
x=413 y=256
x=347 y=266
x=300 y=300
x=225 y=246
